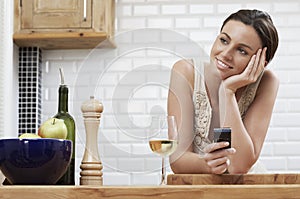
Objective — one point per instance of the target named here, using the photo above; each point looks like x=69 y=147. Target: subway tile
x=286 y=119
x=293 y=163
x=282 y=61
x=213 y=21
x=293 y=134
x=281 y=106
x=116 y=150
x=290 y=33
x=142 y=150
x=289 y=7
x=146 y=63
x=116 y=178
x=228 y=8
x=145 y=10
x=274 y=163
x=288 y=91
x=292 y=47
x=145 y=179
x=155 y=22
x=131 y=165
x=294 y=105
x=286 y=148
x=173 y=9
x=153 y=165
x=109 y=164
x=133 y=106
x=267 y=149
x=202 y=8
x=108 y=136
x=125 y=10
x=185 y=22
x=259 y=6
x=291 y=20
x=133 y=136
x=276 y=134
x=132 y=23
x=204 y=35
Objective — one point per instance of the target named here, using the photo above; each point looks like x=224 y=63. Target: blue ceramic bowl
x=34 y=161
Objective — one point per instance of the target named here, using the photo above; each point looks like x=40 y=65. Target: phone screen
x=223 y=135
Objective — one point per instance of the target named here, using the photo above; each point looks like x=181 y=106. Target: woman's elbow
x=239 y=168
x=175 y=167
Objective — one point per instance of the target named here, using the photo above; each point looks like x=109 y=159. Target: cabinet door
x=55 y=14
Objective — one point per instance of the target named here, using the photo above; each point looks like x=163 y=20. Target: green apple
x=53 y=128
x=29 y=135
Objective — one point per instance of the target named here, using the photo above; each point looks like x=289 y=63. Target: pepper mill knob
x=91 y=166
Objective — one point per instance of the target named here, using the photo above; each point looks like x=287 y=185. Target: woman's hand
x=254 y=68
x=217 y=158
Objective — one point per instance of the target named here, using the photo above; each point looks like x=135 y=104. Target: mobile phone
x=223 y=135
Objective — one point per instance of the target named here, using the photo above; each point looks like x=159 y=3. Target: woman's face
x=234 y=47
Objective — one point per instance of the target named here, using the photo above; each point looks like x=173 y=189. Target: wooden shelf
x=64 y=40
x=168 y=191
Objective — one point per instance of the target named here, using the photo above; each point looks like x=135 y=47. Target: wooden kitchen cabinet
x=67 y=24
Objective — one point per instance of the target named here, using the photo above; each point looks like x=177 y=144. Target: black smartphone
x=223 y=135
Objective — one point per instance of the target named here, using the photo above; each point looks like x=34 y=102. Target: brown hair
x=263 y=25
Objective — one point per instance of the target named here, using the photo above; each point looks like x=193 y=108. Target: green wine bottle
x=69 y=177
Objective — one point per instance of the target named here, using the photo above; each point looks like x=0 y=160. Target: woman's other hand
x=250 y=74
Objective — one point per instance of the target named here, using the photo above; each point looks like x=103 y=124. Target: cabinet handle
x=84 y=10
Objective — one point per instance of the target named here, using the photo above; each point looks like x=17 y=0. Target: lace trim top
x=203 y=110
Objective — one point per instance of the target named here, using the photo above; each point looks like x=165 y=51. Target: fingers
x=215 y=146
x=256 y=64
x=218 y=160
x=260 y=60
x=219 y=166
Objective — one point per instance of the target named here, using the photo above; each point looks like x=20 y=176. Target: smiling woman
x=234 y=90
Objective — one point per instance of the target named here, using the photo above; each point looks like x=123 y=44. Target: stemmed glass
x=164 y=139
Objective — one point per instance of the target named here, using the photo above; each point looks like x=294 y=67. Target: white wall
x=8 y=72
x=124 y=152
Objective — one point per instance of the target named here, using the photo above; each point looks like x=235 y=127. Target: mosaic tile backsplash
x=30 y=89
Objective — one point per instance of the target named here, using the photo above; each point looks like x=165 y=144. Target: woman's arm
x=248 y=135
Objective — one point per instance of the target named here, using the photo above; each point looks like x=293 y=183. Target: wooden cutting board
x=206 y=179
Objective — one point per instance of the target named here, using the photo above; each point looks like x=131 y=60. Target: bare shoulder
x=269 y=81
x=185 y=68
x=270 y=77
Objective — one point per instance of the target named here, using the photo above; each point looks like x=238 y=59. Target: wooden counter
x=181 y=186
x=168 y=191
x=233 y=179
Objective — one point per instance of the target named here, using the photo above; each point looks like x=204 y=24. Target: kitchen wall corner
x=8 y=61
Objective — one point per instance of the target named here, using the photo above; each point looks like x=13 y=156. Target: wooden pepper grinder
x=91 y=166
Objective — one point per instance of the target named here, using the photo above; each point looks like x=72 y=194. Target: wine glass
x=164 y=139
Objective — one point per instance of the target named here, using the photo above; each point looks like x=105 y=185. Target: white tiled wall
x=131 y=80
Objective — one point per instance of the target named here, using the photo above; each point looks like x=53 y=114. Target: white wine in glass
x=163 y=147
x=164 y=139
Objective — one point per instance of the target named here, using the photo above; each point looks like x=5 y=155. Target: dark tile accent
x=30 y=92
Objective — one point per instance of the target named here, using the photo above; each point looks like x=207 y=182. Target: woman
x=234 y=90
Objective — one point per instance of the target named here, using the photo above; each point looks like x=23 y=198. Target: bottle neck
x=63 y=98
